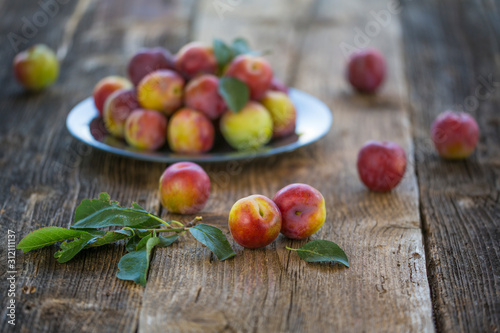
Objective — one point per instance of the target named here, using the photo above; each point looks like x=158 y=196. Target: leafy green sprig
x=143 y=232
x=141 y=229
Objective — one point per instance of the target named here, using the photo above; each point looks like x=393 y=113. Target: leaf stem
x=291 y=249
x=132 y=230
x=180 y=229
x=158 y=219
x=177 y=222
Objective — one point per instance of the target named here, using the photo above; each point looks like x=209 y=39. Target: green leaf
x=134 y=265
x=112 y=236
x=143 y=241
x=240 y=46
x=142 y=232
x=132 y=243
x=89 y=206
x=70 y=249
x=222 y=52
x=101 y=213
x=235 y=93
x=214 y=239
x=95 y=232
x=47 y=236
x=167 y=241
x=322 y=250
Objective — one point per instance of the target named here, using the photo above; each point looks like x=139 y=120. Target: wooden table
x=424 y=257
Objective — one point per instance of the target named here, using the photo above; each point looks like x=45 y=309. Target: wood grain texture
x=450 y=48
x=271 y=289
x=46 y=173
x=456 y=65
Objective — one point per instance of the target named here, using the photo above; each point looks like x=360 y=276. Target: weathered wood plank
x=272 y=290
x=47 y=173
x=453 y=50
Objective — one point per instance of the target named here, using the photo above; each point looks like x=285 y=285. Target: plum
x=190 y=132
x=161 y=90
x=366 y=70
x=282 y=111
x=381 y=165
x=195 y=58
x=146 y=129
x=106 y=87
x=36 y=68
x=184 y=188
x=119 y=105
x=202 y=94
x=255 y=71
x=302 y=208
x=250 y=128
x=455 y=134
x=254 y=221
x=149 y=60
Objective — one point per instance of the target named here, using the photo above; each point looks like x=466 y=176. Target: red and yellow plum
x=146 y=129
x=184 y=188
x=195 y=58
x=302 y=209
x=105 y=87
x=202 y=94
x=190 y=132
x=455 y=134
x=118 y=107
x=250 y=128
x=255 y=71
x=254 y=221
x=162 y=91
x=36 y=68
x=381 y=165
x=282 y=111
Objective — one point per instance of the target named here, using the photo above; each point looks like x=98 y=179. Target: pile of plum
x=183 y=99
x=232 y=87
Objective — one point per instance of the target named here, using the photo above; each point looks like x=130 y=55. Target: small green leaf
x=101 y=213
x=234 y=92
x=167 y=241
x=138 y=207
x=70 y=249
x=112 y=236
x=322 y=250
x=143 y=241
x=134 y=265
x=214 y=239
x=90 y=206
x=240 y=46
x=47 y=236
x=132 y=243
x=222 y=52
